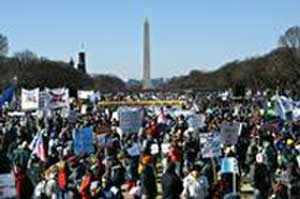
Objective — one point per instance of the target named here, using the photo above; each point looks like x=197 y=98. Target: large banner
x=58 y=98
x=30 y=99
x=130 y=120
x=230 y=132
x=83 y=141
x=7 y=186
x=212 y=147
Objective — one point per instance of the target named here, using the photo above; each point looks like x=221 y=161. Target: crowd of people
x=167 y=159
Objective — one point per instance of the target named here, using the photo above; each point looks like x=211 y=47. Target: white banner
x=85 y=94
x=30 y=99
x=58 y=98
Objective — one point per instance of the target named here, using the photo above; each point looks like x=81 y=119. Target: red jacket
x=84 y=189
x=62 y=179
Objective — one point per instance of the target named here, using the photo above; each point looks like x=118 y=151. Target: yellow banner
x=142 y=103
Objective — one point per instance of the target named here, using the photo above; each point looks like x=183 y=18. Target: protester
x=171 y=183
x=148 y=179
x=83 y=151
x=195 y=185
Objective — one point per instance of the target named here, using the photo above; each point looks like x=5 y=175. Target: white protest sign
x=212 y=148
x=130 y=120
x=154 y=149
x=203 y=137
x=83 y=110
x=16 y=114
x=30 y=99
x=85 y=94
x=58 y=98
x=7 y=186
x=196 y=121
x=230 y=132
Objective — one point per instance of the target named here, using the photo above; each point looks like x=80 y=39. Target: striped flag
x=37 y=146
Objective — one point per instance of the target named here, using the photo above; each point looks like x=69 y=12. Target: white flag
x=30 y=99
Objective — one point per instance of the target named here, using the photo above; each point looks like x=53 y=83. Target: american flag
x=37 y=147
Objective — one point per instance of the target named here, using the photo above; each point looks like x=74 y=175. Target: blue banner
x=83 y=141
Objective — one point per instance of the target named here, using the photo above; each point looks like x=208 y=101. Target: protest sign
x=212 y=147
x=230 y=132
x=16 y=114
x=196 y=121
x=30 y=99
x=83 y=141
x=203 y=137
x=154 y=149
x=134 y=150
x=7 y=186
x=83 y=110
x=101 y=138
x=43 y=99
x=229 y=165
x=85 y=94
x=58 y=98
x=130 y=120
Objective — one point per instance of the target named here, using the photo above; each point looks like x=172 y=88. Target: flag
x=37 y=146
x=30 y=99
x=287 y=109
x=7 y=95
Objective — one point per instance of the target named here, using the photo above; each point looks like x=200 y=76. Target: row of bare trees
x=279 y=68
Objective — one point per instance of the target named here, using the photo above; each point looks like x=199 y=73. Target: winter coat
x=84 y=189
x=261 y=178
x=24 y=187
x=148 y=182
x=195 y=188
x=171 y=184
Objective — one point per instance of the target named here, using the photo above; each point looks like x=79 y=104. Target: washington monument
x=146 y=59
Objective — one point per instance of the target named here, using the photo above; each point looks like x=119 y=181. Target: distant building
x=81 y=66
x=71 y=62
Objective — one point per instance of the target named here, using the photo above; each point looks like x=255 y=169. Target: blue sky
x=185 y=34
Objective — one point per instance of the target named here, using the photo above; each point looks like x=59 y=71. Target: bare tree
x=3 y=45
x=26 y=56
x=291 y=40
